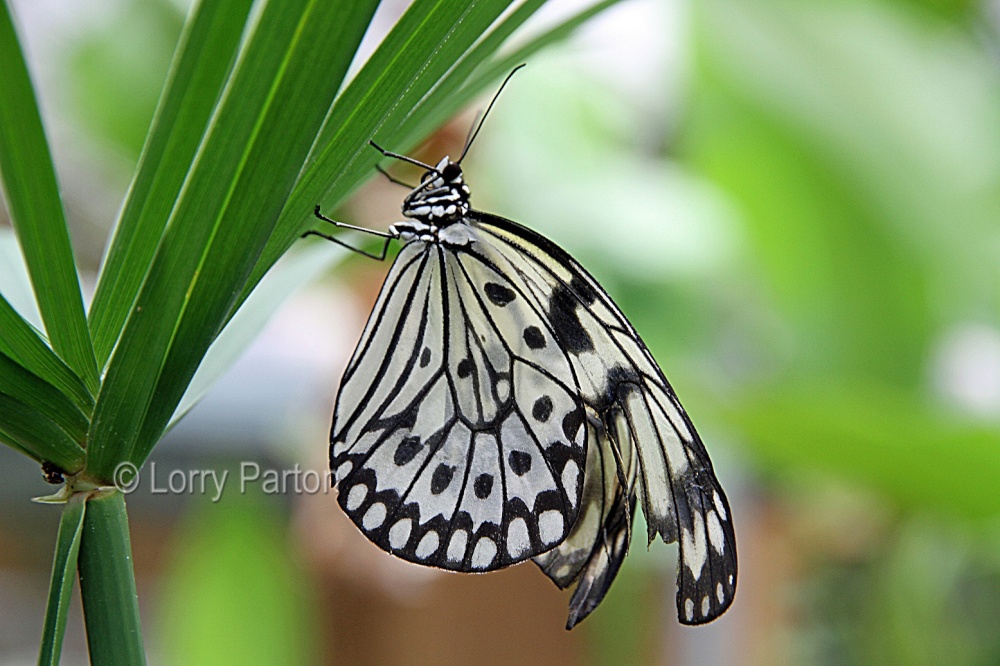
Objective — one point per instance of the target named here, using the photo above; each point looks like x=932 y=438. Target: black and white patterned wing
x=619 y=380
x=594 y=551
x=457 y=438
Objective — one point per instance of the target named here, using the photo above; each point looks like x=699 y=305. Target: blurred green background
x=797 y=205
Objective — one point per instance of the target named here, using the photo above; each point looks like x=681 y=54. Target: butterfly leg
x=402 y=158
x=392 y=179
x=385 y=246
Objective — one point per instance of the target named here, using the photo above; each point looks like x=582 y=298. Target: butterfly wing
x=595 y=550
x=642 y=418
x=458 y=436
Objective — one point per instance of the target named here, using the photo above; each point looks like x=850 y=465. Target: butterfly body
x=499 y=407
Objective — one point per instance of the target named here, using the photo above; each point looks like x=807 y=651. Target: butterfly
x=499 y=407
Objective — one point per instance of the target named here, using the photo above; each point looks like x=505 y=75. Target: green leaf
x=107 y=584
x=37 y=436
x=268 y=117
x=63 y=573
x=39 y=395
x=427 y=60
x=32 y=195
x=447 y=96
x=203 y=58
x=23 y=344
x=297 y=267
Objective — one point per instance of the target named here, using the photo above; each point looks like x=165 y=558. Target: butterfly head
x=442 y=197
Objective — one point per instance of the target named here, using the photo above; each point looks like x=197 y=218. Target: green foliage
x=32 y=196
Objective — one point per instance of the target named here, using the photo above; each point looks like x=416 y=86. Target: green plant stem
x=60 y=590
x=107 y=584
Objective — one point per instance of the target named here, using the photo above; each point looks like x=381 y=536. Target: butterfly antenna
x=473 y=135
x=472 y=127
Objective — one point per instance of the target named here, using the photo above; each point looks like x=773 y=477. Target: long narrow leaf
x=294 y=270
x=267 y=120
x=61 y=585
x=32 y=195
x=453 y=47
x=38 y=394
x=25 y=346
x=204 y=56
x=35 y=435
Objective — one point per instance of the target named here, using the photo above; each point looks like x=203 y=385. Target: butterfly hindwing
x=681 y=498
x=594 y=551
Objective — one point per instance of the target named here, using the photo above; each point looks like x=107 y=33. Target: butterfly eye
x=451 y=172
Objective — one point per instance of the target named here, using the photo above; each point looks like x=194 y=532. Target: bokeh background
x=797 y=205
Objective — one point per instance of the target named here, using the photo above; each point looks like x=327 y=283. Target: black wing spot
x=620 y=382
x=621 y=375
x=572 y=336
x=407 y=451
x=533 y=337
x=572 y=423
x=464 y=368
x=499 y=294
x=520 y=462
x=542 y=409
x=583 y=290
x=483 y=485
x=425 y=357
x=441 y=478
x=405 y=420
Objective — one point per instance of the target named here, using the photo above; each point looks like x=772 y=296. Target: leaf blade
x=35 y=435
x=401 y=66
x=202 y=60
x=35 y=207
x=23 y=344
x=38 y=394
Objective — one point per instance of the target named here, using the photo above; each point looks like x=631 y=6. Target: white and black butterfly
x=500 y=407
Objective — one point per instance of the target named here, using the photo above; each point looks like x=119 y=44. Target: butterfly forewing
x=469 y=452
